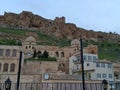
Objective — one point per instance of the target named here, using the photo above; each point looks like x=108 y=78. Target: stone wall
x=91 y=49
x=39 y=67
x=23 y=78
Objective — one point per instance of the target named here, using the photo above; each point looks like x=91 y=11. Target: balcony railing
x=76 y=62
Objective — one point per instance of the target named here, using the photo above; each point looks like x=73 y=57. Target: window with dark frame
x=109 y=65
x=98 y=75
x=57 y=54
x=7 y=52
x=12 y=67
x=103 y=65
x=5 y=67
x=1 y=52
x=62 y=54
x=110 y=76
x=104 y=75
x=14 y=52
x=97 y=64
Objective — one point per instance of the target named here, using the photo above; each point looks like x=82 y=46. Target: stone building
x=9 y=59
x=62 y=54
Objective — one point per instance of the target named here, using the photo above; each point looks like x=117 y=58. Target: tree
x=45 y=54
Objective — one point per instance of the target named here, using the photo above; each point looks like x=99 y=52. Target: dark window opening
x=7 y=52
x=62 y=54
x=57 y=54
x=12 y=67
x=5 y=67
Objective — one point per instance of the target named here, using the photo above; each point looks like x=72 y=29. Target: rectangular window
x=5 y=67
x=1 y=52
x=109 y=65
x=98 y=75
x=89 y=58
x=84 y=58
x=97 y=64
x=94 y=58
x=77 y=67
x=14 y=52
x=110 y=76
x=104 y=76
x=7 y=52
x=103 y=65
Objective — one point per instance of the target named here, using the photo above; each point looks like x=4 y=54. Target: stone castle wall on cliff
x=57 y=27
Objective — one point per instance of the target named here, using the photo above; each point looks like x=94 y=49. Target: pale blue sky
x=98 y=15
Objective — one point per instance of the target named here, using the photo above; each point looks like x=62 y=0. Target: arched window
x=0 y=67
x=61 y=67
x=26 y=47
x=12 y=67
x=5 y=67
x=92 y=51
x=62 y=54
x=57 y=54
x=45 y=54
x=29 y=46
x=39 y=54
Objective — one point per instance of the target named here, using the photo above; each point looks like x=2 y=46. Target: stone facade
x=39 y=67
x=61 y=53
x=9 y=58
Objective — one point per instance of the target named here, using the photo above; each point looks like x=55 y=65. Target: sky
x=97 y=15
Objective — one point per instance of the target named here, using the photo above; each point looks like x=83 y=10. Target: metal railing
x=53 y=86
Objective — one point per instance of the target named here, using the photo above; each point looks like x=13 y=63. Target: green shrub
x=41 y=59
x=13 y=31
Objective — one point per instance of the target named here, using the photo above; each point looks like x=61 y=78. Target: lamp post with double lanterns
x=8 y=83
x=105 y=84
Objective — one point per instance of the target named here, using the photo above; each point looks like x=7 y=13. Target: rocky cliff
x=57 y=27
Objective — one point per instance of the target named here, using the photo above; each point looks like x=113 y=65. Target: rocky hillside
x=57 y=27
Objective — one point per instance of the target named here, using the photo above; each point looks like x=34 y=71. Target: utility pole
x=82 y=62
x=19 y=70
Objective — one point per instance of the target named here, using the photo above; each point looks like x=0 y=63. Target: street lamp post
x=111 y=86
x=8 y=84
x=19 y=70
x=105 y=84
x=82 y=62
